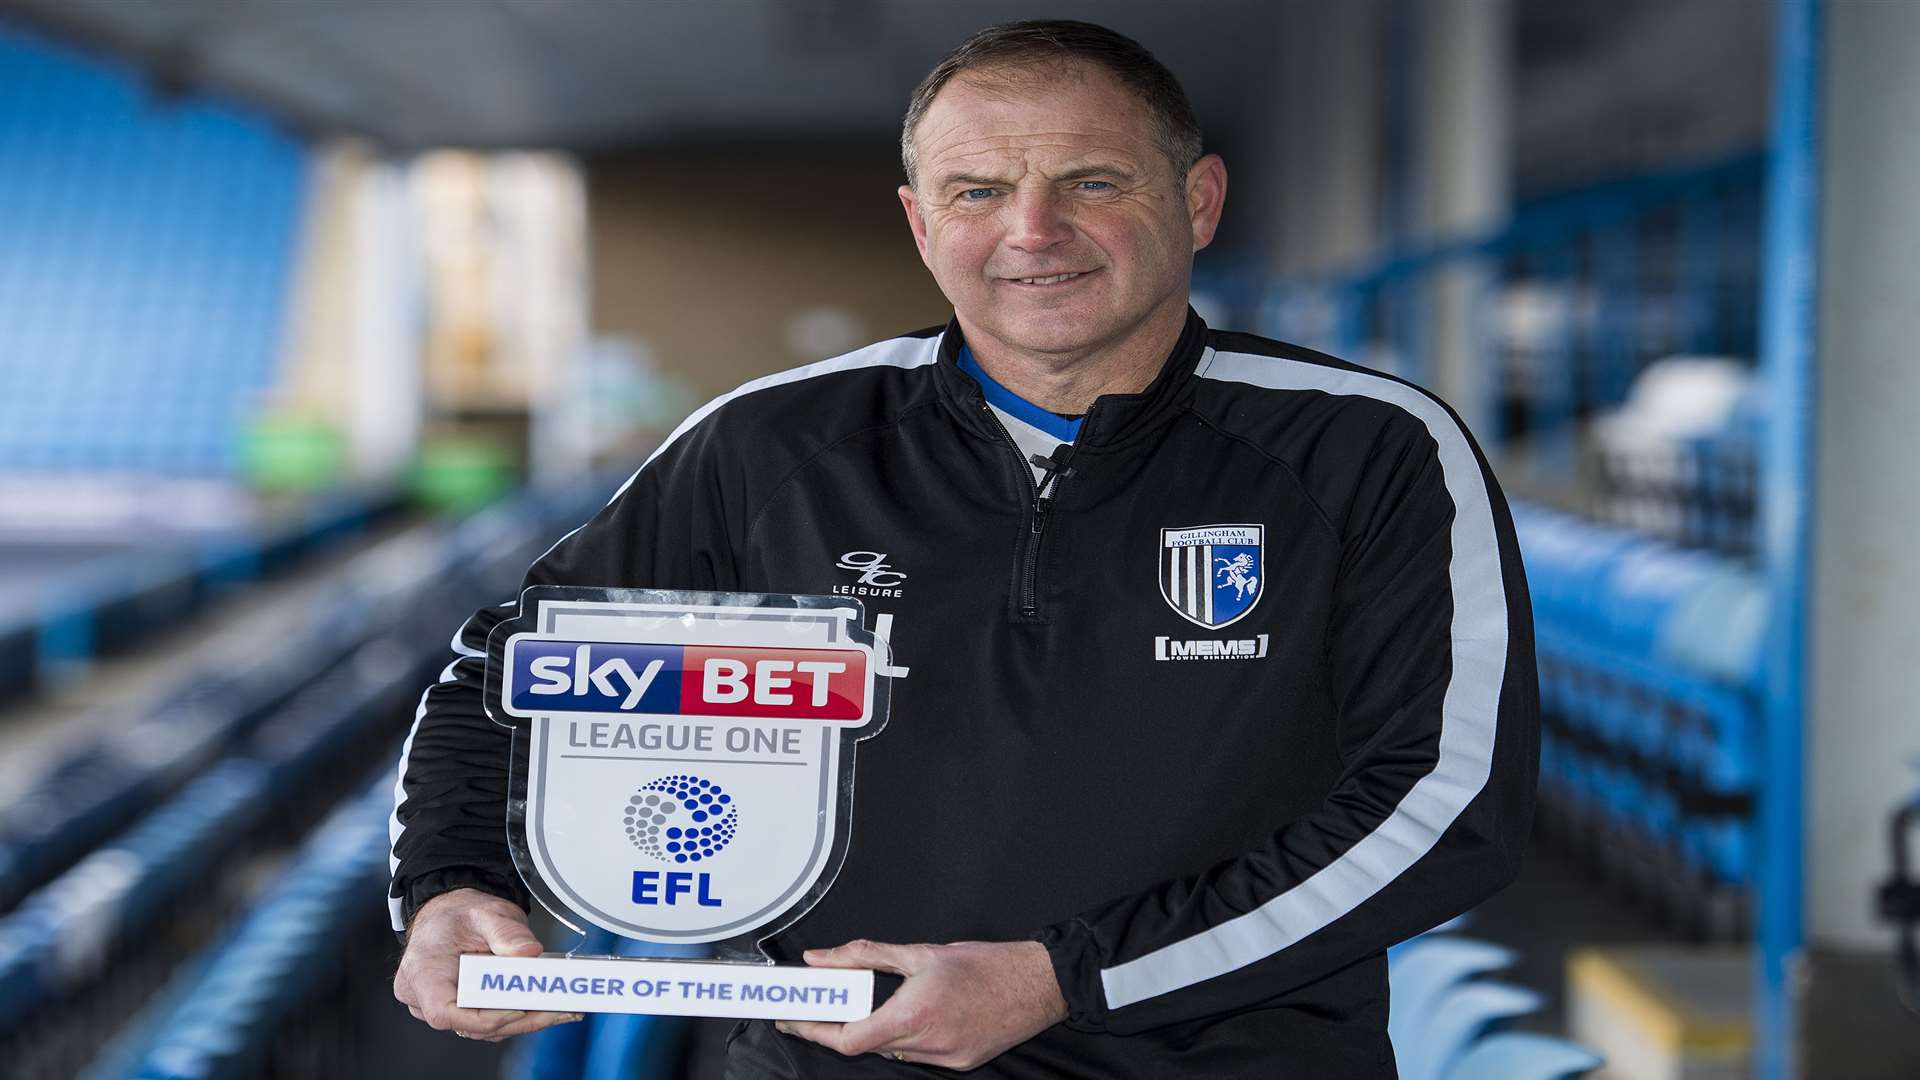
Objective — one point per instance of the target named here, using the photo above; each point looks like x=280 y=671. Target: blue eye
x=976 y=194
x=1095 y=185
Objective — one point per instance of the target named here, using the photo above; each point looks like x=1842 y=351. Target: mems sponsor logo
x=1252 y=648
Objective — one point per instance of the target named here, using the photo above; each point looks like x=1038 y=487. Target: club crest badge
x=1212 y=575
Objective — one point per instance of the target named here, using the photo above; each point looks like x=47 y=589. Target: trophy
x=682 y=774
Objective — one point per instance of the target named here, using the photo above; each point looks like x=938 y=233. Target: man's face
x=1022 y=178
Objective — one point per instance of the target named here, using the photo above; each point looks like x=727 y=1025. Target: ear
x=915 y=221
x=1206 y=197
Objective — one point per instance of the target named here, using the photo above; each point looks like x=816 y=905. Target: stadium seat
x=1460 y=1017
x=1518 y=1055
x=1425 y=970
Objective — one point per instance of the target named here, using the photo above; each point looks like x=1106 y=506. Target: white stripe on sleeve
x=1468 y=712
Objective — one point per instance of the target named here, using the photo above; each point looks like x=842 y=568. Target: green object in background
x=292 y=454
x=461 y=474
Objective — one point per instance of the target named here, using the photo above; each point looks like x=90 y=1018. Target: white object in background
x=816 y=333
x=385 y=396
x=1682 y=397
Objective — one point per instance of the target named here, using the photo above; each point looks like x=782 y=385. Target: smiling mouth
x=1050 y=279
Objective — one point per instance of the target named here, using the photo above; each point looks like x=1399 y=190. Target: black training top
x=1241 y=698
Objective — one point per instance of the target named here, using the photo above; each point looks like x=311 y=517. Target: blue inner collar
x=1016 y=406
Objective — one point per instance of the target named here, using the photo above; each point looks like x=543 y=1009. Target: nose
x=1039 y=221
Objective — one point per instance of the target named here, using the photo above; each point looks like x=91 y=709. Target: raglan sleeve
x=1430 y=657
x=669 y=526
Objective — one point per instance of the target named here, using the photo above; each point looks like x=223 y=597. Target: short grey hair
x=1036 y=41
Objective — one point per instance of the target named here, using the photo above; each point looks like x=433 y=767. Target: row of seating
x=220 y=1016
x=75 y=934
x=1650 y=676
x=128 y=594
x=96 y=787
x=140 y=321
x=164 y=872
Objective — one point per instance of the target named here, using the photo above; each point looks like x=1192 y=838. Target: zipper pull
x=1040 y=512
x=1055 y=463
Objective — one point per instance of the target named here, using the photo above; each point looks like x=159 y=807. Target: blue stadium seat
x=1517 y=1055
x=149 y=322
x=1649 y=676
x=1460 y=1017
x=1422 y=972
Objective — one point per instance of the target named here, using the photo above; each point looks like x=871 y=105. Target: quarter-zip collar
x=1061 y=429
x=1113 y=419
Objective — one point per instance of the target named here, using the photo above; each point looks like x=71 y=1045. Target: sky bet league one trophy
x=682 y=774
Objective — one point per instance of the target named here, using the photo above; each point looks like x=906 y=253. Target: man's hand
x=465 y=921
x=961 y=1005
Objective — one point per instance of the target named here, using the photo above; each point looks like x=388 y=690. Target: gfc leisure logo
x=876 y=578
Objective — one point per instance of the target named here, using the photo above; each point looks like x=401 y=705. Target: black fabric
x=1043 y=776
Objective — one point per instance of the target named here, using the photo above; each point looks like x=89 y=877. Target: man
x=1221 y=669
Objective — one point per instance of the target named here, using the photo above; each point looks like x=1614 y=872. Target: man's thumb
x=510 y=937
x=860 y=954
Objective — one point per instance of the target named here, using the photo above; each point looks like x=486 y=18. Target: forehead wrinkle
x=1059 y=152
x=953 y=135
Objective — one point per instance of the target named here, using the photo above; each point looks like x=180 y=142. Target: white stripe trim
x=460 y=647
x=1468 y=711
x=894 y=352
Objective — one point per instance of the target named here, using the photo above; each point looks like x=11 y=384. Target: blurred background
x=319 y=320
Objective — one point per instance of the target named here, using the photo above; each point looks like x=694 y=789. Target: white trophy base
x=556 y=982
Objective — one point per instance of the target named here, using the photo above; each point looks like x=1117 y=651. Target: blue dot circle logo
x=681 y=819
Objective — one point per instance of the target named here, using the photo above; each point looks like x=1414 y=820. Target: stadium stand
x=1649 y=674
x=166 y=908
x=80 y=950
x=145 y=326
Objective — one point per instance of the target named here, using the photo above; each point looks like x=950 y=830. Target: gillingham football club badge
x=1212 y=575
x=683 y=775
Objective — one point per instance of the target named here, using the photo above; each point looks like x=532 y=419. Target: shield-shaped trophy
x=682 y=774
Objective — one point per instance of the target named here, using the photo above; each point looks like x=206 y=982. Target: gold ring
x=899 y=1055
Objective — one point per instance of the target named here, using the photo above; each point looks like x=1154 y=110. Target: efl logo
x=680 y=818
x=551 y=677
